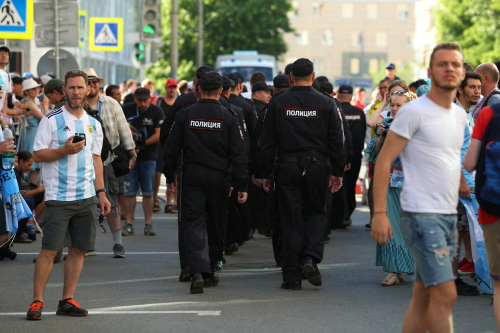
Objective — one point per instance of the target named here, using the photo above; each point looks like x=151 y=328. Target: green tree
x=228 y=25
x=474 y=25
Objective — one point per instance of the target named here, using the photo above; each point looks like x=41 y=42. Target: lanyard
x=99 y=107
x=134 y=117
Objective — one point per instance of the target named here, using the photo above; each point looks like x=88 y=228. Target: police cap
x=302 y=67
x=233 y=77
x=202 y=70
x=261 y=85
x=326 y=87
x=210 y=81
x=322 y=79
x=227 y=83
x=281 y=81
x=288 y=69
x=345 y=89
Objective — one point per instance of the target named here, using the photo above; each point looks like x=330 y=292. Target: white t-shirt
x=7 y=87
x=72 y=176
x=431 y=159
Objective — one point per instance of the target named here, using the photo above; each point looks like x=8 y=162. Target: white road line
x=139 y=253
x=199 y=313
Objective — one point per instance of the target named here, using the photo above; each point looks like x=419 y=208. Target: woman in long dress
x=33 y=117
x=395 y=257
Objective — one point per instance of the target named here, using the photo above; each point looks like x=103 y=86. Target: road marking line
x=199 y=313
x=36 y=253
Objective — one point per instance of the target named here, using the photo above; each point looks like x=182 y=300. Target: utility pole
x=174 y=47
x=57 y=57
x=199 y=46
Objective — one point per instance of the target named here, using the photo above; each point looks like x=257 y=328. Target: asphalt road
x=141 y=293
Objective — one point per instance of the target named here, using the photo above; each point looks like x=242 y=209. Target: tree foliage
x=228 y=25
x=474 y=25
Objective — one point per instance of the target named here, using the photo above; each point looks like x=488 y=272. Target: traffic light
x=156 y=53
x=140 y=52
x=151 y=18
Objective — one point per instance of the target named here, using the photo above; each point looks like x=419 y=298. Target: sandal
x=168 y=208
x=156 y=206
x=22 y=239
x=174 y=209
x=391 y=280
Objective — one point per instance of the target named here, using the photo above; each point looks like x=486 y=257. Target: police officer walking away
x=212 y=143
x=305 y=127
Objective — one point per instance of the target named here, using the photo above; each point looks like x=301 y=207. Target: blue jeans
x=432 y=239
x=143 y=173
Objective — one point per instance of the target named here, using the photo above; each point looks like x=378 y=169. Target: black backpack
x=488 y=166
x=106 y=146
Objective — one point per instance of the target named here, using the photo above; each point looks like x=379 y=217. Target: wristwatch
x=102 y=190
x=133 y=155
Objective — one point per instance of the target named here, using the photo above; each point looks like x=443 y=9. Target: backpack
x=106 y=146
x=488 y=167
x=485 y=103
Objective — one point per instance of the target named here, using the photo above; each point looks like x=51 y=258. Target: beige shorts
x=492 y=240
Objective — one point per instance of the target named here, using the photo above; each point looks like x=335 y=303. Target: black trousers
x=301 y=202
x=204 y=216
x=350 y=178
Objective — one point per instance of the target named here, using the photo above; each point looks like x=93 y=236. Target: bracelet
x=99 y=191
x=381 y=212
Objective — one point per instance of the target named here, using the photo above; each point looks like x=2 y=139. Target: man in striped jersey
x=69 y=143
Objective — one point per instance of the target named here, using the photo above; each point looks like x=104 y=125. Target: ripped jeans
x=432 y=239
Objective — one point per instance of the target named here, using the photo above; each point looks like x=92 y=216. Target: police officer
x=212 y=144
x=305 y=127
x=180 y=103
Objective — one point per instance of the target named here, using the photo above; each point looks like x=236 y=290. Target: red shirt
x=483 y=119
x=359 y=105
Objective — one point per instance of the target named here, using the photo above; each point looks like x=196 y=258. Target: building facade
x=347 y=40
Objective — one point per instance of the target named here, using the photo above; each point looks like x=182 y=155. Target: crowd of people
x=281 y=160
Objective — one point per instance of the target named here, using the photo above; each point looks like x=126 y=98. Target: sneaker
x=462 y=262
x=465 y=289
x=70 y=307
x=148 y=230
x=128 y=230
x=218 y=266
x=119 y=251
x=35 y=311
x=467 y=269
x=368 y=226
x=90 y=253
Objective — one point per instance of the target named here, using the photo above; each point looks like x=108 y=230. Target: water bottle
x=31 y=231
x=7 y=158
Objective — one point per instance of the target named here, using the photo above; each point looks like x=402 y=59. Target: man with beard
x=468 y=95
x=117 y=132
x=145 y=119
x=428 y=135
x=69 y=144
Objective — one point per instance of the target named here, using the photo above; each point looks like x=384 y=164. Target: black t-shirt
x=165 y=107
x=145 y=123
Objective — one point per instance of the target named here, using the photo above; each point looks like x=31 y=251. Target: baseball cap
x=261 y=86
x=345 y=89
x=281 y=81
x=202 y=70
x=142 y=93
x=234 y=77
x=171 y=82
x=52 y=85
x=390 y=66
x=227 y=83
x=210 y=81
x=302 y=67
x=326 y=87
x=240 y=76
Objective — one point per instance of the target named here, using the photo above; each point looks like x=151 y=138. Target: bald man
x=489 y=89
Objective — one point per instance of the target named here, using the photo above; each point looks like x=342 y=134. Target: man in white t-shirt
x=69 y=143
x=428 y=135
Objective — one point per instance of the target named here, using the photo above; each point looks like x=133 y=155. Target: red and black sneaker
x=70 y=307
x=35 y=311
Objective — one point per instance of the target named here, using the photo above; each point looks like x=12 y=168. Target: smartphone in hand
x=77 y=139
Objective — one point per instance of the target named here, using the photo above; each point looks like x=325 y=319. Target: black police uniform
x=356 y=119
x=305 y=126
x=213 y=145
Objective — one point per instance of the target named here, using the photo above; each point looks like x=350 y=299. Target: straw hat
x=30 y=84
x=93 y=75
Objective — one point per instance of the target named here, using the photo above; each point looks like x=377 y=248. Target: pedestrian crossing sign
x=106 y=34
x=16 y=19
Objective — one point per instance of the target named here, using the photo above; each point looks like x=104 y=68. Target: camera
x=5 y=252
